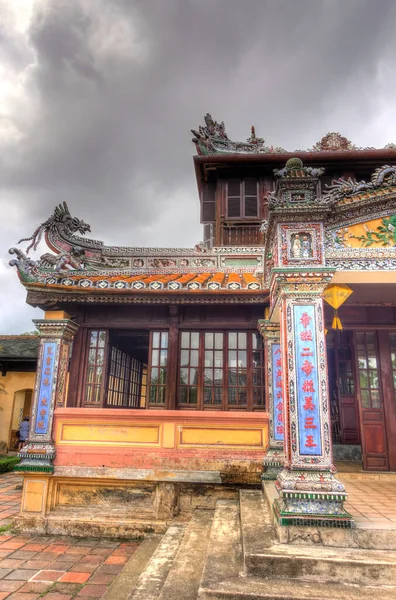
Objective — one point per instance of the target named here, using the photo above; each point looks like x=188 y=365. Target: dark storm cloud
x=110 y=90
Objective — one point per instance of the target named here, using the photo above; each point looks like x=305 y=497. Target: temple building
x=168 y=376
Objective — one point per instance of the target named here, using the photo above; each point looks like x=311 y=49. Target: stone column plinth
x=274 y=459
x=56 y=335
x=308 y=491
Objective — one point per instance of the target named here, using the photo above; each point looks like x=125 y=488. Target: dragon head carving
x=60 y=222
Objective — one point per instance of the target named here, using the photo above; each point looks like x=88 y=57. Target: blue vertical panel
x=45 y=388
x=307 y=380
x=277 y=394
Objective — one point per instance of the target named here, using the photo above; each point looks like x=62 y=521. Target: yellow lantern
x=335 y=295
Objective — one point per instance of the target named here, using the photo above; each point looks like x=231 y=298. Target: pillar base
x=273 y=464
x=312 y=498
x=37 y=457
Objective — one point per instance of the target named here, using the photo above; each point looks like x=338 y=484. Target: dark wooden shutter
x=234 y=198
x=209 y=203
x=251 y=198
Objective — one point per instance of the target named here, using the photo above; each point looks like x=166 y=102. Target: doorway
x=21 y=409
x=362 y=383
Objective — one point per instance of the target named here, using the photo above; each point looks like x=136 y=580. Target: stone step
x=225 y=579
x=283 y=561
x=264 y=556
x=257 y=529
x=186 y=571
x=224 y=554
x=151 y=581
x=252 y=588
x=100 y=525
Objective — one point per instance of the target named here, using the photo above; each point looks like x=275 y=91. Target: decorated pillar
x=274 y=459
x=297 y=275
x=56 y=333
x=308 y=491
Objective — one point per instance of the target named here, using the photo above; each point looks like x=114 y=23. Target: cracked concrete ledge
x=140 y=474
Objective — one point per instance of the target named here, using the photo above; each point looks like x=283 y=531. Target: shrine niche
x=297 y=245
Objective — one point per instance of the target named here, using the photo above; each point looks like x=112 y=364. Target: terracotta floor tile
x=22 y=554
x=110 y=569
x=10 y=586
x=101 y=551
x=48 y=575
x=116 y=560
x=35 y=587
x=59 y=566
x=92 y=591
x=4 y=595
x=12 y=545
x=11 y=563
x=34 y=547
x=19 y=596
x=94 y=559
x=77 y=550
x=21 y=574
x=46 y=556
x=57 y=548
x=75 y=577
x=35 y=564
x=82 y=567
x=57 y=596
x=102 y=578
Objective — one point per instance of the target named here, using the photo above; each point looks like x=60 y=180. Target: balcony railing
x=238 y=234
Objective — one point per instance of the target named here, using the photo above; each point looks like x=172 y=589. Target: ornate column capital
x=303 y=283
x=56 y=328
x=268 y=330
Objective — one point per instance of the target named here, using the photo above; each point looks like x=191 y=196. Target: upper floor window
x=242 y=198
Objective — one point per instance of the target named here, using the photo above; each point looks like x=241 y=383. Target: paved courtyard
x=62 y=568
x=53 y=567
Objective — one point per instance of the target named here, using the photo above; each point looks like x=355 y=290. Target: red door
x=370 y=397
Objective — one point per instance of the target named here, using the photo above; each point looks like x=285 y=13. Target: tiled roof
x=19 y=346
x=171 y=282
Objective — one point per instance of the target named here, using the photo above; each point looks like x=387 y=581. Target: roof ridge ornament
x=333 y=142
x=212 y=139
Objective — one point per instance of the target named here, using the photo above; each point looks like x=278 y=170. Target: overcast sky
x=97 y=99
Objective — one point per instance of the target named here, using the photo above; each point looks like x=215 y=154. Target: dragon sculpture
x=60 y=222
x=341 y=188
x=212 y=139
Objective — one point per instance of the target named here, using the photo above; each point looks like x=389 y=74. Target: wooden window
x=125 y=376
x=95 y=368
x=221 y=370
x=188 y=373
x=158 y=367
x=258 y=370
x=393 y=357
x=237 y=369
x=214 y=369
x=367 y=360
x=242 y=199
